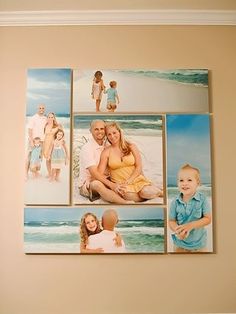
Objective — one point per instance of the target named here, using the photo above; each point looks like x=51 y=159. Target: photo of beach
x=145 y=131
x=188 y=142
x=47 y=137
x=57 y=230
x=140 y=90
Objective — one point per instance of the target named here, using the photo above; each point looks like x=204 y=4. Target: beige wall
x=68 y=284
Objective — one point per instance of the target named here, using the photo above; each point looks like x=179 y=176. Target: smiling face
x=98 y=131
x=59 y=135
x=41 y=109
x=113 y=135
x=188 y=182
x=91 y=223
x=50 y=117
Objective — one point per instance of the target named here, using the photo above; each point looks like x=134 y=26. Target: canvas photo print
x=140 y=90
x=189 y=183
x=94 y=230
x=47 y=137
x=118 y=159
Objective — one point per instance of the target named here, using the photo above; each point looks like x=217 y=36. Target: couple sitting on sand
x=113 y=170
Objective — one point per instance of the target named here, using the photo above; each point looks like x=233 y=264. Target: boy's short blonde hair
x=189 y=167
x=112 y=83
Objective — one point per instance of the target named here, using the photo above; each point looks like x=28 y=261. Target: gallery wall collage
x=117 y=161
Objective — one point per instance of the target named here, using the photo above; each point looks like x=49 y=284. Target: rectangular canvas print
x=118 y=159
x=140 y=90
x=94 y=230
x=189 y=183
x=47 y=137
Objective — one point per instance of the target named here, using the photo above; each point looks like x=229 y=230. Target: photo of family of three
x=111 y=167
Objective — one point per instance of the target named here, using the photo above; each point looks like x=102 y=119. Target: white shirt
x=37 y=124
x=105 y=240
x=89 y=156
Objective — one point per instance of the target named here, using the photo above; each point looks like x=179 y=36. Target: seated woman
x=124 y=163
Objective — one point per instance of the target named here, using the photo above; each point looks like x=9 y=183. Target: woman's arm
x=138 y=164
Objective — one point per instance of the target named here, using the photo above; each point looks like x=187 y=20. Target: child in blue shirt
x=112 y=96
x=189 y=213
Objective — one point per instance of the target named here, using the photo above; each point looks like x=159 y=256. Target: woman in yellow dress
x=124 y=163
x=50 y=129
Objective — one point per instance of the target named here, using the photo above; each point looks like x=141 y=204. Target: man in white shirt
x=93 y=184
x=106 y=238
x=35 y=128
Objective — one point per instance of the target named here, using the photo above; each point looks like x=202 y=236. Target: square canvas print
x=47 y=137
x=94 y=230
x=118 y=159
x=140 y=90
x=189 y=183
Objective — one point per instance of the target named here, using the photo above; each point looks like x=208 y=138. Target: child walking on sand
x=90 y=225
x=112 y=96
x=97 y=89
x=189 y=213
x=35 y=157
x=59 y=155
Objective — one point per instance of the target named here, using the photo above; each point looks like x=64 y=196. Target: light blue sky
x=51 y=87
x=69 y=214
x=188 y=141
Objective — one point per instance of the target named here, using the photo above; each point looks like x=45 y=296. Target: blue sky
x=68 y=214
x=51 y=87
x=188 y=141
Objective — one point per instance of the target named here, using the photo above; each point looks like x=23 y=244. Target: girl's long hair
x=84 y=232
x=123 y=145
x=55 y=123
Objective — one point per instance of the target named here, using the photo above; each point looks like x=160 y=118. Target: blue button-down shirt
x=196 y=208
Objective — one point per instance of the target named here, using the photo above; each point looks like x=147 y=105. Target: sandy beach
x=150 y=148
x=140 y=93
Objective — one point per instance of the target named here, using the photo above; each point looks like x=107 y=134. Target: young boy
x=189 y=213
x=112 y=96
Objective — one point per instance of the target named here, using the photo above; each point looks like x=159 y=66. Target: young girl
x=90 y=225
x=189 y=213
x=97 y=89
x=35 y=157
x=59 y=155
x=112 y=97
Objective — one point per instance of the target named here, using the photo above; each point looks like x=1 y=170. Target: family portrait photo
x=47 y=137
x=118 y=159
x=189 y=183
x=94 y=230
x=140 y=90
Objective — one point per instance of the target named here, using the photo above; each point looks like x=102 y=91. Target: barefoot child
x=59 y=155
x=112 y=96
x=97 y=89
x=189 y=213
x=90 y=225
x=35 y=157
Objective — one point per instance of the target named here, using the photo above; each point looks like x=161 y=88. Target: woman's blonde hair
x=124 y=145
x=55 y=124
x=84 y=232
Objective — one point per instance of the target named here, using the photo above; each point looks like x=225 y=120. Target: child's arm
x=118 y=240
x=186 y=228
x=66 y=152
x=84 y=250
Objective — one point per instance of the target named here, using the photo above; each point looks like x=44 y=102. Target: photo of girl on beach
x=189 y=187
x=118 y=159
x=96 y=230
x=141 y=90
x=47 y=119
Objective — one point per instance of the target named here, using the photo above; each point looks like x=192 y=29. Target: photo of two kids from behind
x=98 y=89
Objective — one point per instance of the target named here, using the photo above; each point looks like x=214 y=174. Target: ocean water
x=135 y=123
x=140 y=236
x=196 y=77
